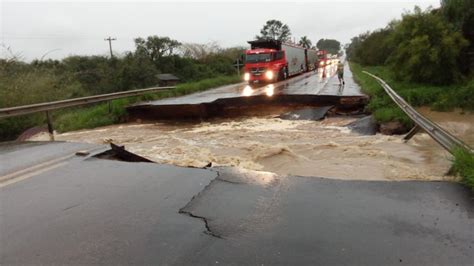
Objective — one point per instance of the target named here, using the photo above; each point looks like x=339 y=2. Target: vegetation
x=24 y=83
x=463 y=164
x=440 y=98
x=305 y=42
x=276 y=30
x=332 y=46
x=420 y=56
x=422 y=47
x=99 y=115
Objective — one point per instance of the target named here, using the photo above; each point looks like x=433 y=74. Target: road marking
x=37 y=169
x=16 y=178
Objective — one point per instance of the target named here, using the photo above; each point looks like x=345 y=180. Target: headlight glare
x=247 y=76
x=269 y=74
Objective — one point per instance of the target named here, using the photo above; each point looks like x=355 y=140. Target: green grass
x=439 y=98
x=463 y=164
x=98 y=114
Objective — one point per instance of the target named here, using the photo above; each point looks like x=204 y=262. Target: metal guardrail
x=49 y=106
x=41 y=107
x=444 y=138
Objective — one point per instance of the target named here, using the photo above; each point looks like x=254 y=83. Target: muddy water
x=308 y=148
x=458 y=123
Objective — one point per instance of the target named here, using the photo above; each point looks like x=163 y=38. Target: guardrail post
x=412 y=133
x=50 y=125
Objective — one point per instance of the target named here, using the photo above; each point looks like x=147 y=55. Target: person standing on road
x=340 y=73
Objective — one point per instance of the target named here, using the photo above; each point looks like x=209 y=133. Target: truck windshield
x=257 y=58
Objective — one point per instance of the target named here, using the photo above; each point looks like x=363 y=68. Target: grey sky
x=34 y=28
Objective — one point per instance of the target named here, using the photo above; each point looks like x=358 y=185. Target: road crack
x=204 y=219
x=186 y=209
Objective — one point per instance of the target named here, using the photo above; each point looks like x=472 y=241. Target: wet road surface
x=322 y=82
x=97 y=211
x=313 y=89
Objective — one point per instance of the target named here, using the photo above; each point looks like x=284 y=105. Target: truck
x=271 y=60
x=323 y=58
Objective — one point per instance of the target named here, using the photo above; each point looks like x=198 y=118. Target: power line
x=110 y=39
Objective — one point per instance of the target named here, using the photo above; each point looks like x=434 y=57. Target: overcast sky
x=34 y=28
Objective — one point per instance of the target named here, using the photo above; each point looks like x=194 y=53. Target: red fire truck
x=271 y=60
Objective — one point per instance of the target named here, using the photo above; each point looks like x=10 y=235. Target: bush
x=463 y=164
x=426 y=49
x=371 y=48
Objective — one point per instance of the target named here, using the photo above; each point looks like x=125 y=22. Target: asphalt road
x=313 y=89
x=312 y=83
x=96 y=211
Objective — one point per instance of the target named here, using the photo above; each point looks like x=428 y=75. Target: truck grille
x=257 y=71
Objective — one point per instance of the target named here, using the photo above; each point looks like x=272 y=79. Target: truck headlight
x=247 y=76
x=269 y=74
x=321 y=63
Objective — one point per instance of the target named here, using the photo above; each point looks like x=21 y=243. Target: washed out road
x=58 y=206
x=98 y=211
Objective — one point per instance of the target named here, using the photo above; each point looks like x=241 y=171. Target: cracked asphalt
x=95 y=211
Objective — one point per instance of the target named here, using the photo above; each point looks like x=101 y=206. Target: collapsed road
x=314 y=89
x=90 y=210
x=316 y=126
x=278 y=188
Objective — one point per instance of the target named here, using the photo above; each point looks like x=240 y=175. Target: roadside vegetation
x=99 y=115
x=463 y=165
x=199 y=66
x=427 y=57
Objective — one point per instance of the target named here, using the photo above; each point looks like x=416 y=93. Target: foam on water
x=308 y=148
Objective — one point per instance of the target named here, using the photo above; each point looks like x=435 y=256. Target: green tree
x=426 y=48
x=330 y=45
x=458 y=12
x=305 y=42
x=371 y=48
x=276 y=30
x=156 y=47
x=461 y=14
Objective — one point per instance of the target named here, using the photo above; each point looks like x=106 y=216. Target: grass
x=439 y=98
x=463 y=164
x=98 y=114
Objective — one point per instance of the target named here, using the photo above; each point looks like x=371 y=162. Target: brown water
x=458 y=123
x=307 y=148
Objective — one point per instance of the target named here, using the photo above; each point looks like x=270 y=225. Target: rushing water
x=307 y=148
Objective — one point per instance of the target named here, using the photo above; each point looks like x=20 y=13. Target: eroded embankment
x=309 y=148
x=244 y=106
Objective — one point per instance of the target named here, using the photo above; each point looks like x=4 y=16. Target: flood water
x=307 y=148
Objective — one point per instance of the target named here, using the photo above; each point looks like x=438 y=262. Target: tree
x=426 y=48
x=458 y=12
x=155 y=47
x=332 y=46
x=461 y=14
x=371 y=48
x=276 y=30
x=305 y=42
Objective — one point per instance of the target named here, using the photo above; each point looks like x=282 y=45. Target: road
x=313 y=89
x=57 y=207
x=97 y=211
x=312 y=83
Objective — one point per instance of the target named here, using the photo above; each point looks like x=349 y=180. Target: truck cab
x=265 y=62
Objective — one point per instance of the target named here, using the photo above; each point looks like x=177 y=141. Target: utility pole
x=238 y=65
x=110 y=39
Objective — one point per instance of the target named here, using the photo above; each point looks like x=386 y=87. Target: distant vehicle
x=324 y=58
x=270 y=60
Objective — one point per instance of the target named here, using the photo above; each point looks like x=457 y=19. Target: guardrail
x=49 y=106
x=40 y=107
x=444 y=138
